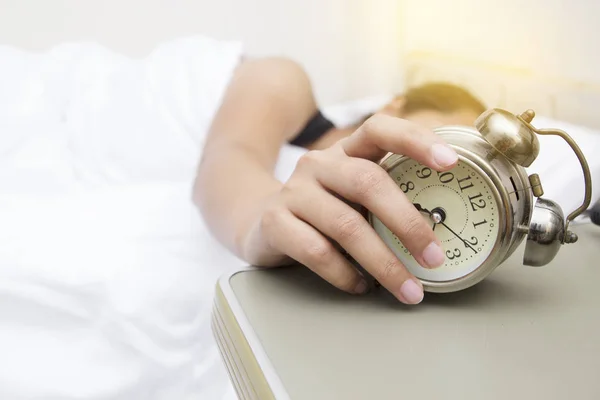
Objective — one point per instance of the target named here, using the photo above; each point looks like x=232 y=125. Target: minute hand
x=420 y=208
x=455 y=234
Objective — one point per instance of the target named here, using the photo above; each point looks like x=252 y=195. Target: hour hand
x=418 y=207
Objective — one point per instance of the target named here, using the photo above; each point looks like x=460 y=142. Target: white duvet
x=106 y=270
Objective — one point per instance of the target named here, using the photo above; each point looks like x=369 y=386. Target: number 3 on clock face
x=462 y=209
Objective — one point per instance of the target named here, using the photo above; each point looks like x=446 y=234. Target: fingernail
x=443 y=155
x=433 y=255
x=411 y=292
x=362 y=287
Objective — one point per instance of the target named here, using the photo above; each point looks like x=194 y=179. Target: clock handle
x=584 y=166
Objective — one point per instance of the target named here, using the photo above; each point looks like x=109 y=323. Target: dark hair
x=442 y=97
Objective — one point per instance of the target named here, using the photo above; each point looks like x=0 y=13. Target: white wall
x=516 y=53
x=350 y=47
x=559 y=38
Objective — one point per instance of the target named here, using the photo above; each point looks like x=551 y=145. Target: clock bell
x=515 y=138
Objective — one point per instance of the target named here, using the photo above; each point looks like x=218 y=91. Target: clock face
x=461 y=208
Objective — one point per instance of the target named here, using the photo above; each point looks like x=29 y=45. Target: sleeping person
x=107 y=269
x=430 y=105
x=265 y=222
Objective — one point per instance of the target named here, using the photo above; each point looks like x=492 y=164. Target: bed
x=106 y=269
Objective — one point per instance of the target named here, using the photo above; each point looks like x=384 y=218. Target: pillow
x=558 y=166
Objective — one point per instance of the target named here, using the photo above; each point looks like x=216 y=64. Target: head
x=436 y=104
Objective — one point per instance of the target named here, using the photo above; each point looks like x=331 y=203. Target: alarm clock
x=482 y=209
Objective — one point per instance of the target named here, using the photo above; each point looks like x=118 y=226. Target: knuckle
x=349 y=227
x=367 y=181
x=318 y=252
x=414 y=227
x=372 y=124
x=390 y=269
x=296 y=192
x=309 y=159
x=270 y=219
x=290 y=187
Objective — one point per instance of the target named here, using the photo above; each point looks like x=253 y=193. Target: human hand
x=318 y=207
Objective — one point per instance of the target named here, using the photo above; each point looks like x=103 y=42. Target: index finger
x=382 y=134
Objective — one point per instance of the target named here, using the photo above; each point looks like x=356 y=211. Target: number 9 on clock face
x=461 y=207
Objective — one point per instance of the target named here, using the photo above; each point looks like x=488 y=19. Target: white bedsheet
x=106 y=269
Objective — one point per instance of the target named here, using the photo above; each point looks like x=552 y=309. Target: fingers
x=348 y=170
x=347 y=227
x=306 y=245
x=366 y=183
x=382 y=134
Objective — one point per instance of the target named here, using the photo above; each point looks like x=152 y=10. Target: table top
x=522 y=333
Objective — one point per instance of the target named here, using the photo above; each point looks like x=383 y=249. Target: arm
x=267 y=103
x=268 y=223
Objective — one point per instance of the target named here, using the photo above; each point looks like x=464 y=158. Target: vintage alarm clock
x=483 y=208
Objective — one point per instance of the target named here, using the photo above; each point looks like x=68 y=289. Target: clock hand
x=455 y=234
x=420 y=208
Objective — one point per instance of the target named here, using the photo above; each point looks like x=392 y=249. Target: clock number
x=407 y=187
x=472 y=242
x=453 y=255
x=480 y=203
x=464 y=186
x=446 y=177
x=424 y=173
x=476 y=224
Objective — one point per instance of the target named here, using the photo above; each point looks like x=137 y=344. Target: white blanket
x=106 y=269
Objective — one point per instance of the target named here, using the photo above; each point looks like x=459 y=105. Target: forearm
x=267 y=103
x=231 y=185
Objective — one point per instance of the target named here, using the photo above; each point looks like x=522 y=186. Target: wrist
x=247 y=222
x=229 y=201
